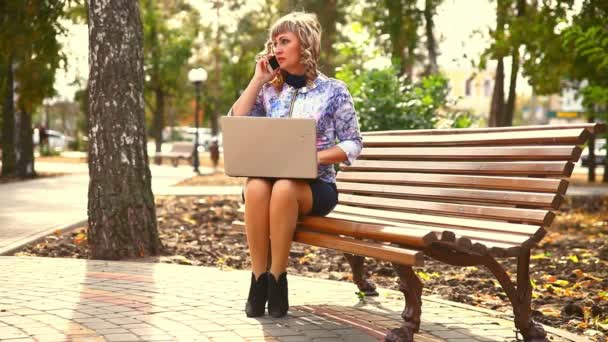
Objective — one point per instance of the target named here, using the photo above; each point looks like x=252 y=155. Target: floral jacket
x=328 y=101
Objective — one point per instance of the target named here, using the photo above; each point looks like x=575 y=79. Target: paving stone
x=10 y=332
x=89 y=338
x=121 y=337
x=147 y=331
x=156 y=338
x=100 y=325
x=224 y=335
x=112 y=331
x=294 y=339
x=50 y=338
x=319 y=333
x=159 y=302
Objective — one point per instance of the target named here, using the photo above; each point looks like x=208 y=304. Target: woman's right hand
x=262 y=73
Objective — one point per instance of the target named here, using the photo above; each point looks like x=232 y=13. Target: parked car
x=57 y=140
x=599 y=151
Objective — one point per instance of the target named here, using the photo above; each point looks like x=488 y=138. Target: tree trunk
x=158 y=122
x=498 y=96
x=507 y=119
x=497 y=108
x=172 y=118
x=25 y=164
x=214 y=150
x=8 y=124
x=122 y=218
x=411 y=16
x=395 y=25
x=510 y=110
x=431 y=44
x=327 y=17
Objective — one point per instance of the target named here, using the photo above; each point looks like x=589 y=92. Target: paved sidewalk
x=35 y=208
x=47 y=299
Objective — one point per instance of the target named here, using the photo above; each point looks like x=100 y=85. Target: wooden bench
x=462 y=196
x=179 y=150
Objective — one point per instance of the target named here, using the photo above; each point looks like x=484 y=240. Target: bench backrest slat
x=464 y=223
x=591 y=128
x=540 y=168
x=498 y=153
x=558 y=186
x=541 y=200
x=450 y=209
x=541 y=137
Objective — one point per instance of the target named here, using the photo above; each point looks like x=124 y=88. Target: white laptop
x=269 y=147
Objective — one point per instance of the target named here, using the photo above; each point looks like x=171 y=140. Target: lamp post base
x=195 y=161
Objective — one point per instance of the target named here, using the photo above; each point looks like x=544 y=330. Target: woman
x=272 y=206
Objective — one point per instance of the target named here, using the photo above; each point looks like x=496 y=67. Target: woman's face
x=286 y=47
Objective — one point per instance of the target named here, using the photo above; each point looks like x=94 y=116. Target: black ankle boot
x=278 y=303
x=258 y=291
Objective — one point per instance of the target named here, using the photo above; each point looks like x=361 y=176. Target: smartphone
x=273 y=62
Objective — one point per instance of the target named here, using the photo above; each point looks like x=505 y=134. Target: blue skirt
x=324 y=197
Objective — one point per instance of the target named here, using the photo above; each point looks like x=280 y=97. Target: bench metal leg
x=531 y=330
x=520 y=297
x=411 y=287
x=357 y=264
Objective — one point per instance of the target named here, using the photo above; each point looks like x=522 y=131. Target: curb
x=37 y=237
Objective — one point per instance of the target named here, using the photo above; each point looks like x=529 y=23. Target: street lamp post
x=197 y=77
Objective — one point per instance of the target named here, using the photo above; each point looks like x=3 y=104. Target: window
x=467 y=87
x=487 y=88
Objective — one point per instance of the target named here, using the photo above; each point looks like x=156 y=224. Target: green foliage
x=387 y=102
x=29 y=35
x=457 y=119
x=238 y=49
x=170 y=29
x=587 y=41
x=395 y=24
x=568 y=52
x=546 y=62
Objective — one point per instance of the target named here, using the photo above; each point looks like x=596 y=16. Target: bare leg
x=257 y=202
x=289 y=199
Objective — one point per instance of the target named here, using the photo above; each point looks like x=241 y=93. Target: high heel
x=258 y=292
x=278 y=302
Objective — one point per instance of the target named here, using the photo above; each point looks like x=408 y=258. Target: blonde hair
x=307 y=29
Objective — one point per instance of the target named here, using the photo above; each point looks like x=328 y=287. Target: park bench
x=465 y=197
x=179 y=150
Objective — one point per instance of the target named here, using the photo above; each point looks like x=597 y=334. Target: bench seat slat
x=543 y=217
x=375 y=250
x=409 y=237
x=558 y=186
x=412 y=236
x=442 y=221
x=513 y=153
x=541 y=200
x=576 y=136
x=552 y=169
